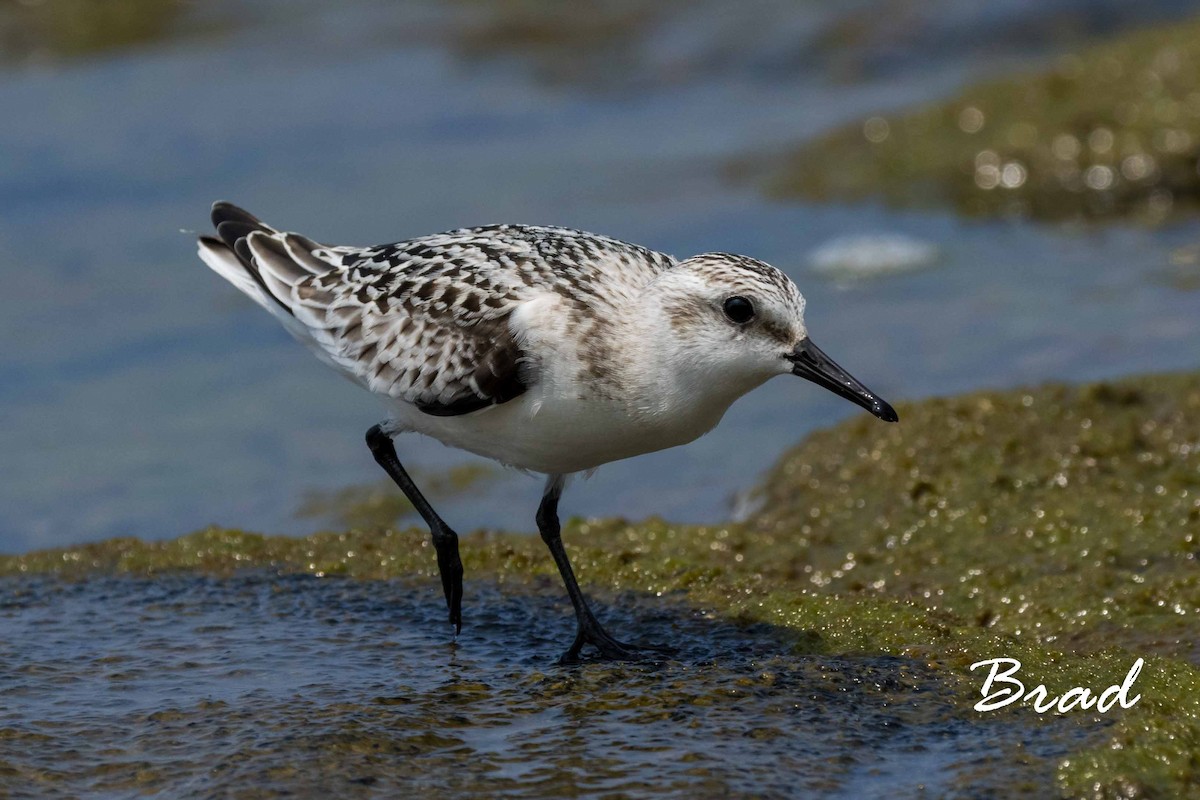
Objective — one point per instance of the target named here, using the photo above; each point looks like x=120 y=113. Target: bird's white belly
x=542 y=435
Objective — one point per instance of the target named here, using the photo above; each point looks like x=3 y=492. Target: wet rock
x=1055 y=525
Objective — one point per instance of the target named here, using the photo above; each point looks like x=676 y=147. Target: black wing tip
x=241 y=249
x=455 y=408
x=231 y=231
x=224 y=211
x=473 y=402
x=234 y=225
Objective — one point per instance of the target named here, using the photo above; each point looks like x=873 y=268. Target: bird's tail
x=228 y=253
x=263 y=262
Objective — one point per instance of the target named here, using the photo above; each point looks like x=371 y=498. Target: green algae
x=1112 y=131
x=1061 y=520
x=72 y=28
x=1054 y=525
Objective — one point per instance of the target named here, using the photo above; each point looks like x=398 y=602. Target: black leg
x=445 y=540
x=590 y=630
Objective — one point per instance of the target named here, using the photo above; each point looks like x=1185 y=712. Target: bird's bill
x=810 y=362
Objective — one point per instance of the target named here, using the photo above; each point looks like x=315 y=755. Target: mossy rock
x=1110 y=132
x=1055 y=525
x=72 y=28
x=1047 y=513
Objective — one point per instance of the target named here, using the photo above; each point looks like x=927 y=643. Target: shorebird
x=547 y=349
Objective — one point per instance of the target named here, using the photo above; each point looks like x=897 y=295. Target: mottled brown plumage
x=426 y=320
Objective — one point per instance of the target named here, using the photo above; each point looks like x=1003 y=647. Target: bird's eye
x=739 y=310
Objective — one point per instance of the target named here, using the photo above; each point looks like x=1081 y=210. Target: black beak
x=808 y=361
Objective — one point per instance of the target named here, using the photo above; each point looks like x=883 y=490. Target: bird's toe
x=609 y=649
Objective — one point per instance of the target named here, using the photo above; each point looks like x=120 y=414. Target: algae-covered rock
x=83 y=27
x=1060 y=512
x=1064 y=519
x=1112 y=131
x=1056 y=525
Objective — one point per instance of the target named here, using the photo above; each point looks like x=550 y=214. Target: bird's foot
x=451 y=569
x=608 y=648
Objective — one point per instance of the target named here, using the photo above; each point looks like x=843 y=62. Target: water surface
x=260 y=685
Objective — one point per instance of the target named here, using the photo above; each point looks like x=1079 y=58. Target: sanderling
x=547 y=349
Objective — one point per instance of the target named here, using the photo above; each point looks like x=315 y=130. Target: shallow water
x=261 y=685
x=140 y=395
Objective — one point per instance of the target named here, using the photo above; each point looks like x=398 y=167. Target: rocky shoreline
x=1054 y=525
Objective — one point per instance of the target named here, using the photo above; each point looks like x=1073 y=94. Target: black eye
x=739 y=310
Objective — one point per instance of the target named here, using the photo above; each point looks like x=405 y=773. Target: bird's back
x=426 y=321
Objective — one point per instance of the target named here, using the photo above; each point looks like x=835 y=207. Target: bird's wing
x=424 y=321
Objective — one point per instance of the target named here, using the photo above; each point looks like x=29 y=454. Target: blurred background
x=970 y=193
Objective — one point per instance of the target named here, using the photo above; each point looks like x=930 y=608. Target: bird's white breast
x=558 y=435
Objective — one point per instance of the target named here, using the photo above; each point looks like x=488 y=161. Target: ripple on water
x=261 y=685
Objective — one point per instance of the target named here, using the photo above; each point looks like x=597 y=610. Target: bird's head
x=739 y=321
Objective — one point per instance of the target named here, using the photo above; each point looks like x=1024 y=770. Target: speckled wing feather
x=427 y=320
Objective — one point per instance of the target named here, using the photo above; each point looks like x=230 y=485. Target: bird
x=547 y=349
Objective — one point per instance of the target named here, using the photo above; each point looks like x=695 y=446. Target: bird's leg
x=590 y=630
x=445 y=540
